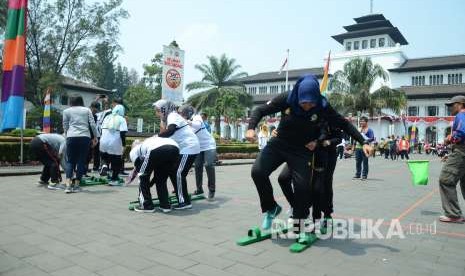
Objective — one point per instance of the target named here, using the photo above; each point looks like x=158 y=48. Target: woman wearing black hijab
x=305 y=108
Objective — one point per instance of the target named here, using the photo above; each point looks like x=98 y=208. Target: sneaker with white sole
x=140 y=209
x=182 y=206
x=164 y=209
x=451 y=220
x=269 y=216
x=56 y=186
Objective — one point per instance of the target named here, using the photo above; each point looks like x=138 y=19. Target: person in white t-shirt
x=160 y=156
x=177 y=128
x=207 y=155
x=263 y=137
x=114 y=128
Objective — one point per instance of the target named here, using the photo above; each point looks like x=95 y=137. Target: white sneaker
x=104 y=170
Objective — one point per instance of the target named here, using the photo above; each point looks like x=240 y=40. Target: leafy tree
x=351 y=89
x=138 y=100
x=153 y=74
x=60 y=36
x=100 y=68
x=122 y=79
x=221 y=85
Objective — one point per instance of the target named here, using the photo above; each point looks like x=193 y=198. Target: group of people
x=88 y=133
x=99 y=133
x=184 y=139
x=394 y=147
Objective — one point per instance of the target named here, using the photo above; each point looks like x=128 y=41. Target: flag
x=419 y=170
x=413 y=134
x=46 y=122
x=282 y=66
x=324 y=82
x=12 y=98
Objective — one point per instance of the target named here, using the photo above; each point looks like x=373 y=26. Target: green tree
x=100 y=68
x=153 y=74
x=122 y=79
x=138 y=100
x=351 y=89
x=221 y=85
x=60 y=36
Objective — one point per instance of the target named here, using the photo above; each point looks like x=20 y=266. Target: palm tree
x=351 y=89
x=221 y=85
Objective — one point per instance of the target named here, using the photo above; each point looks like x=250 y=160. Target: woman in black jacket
x=298 y=132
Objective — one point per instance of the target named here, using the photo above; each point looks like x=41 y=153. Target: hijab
x=306 y=89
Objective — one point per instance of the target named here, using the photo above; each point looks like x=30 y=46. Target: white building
x=428 y=82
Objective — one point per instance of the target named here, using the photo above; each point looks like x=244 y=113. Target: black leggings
x=115 y=161
x=163 y=162
x=179 y=177
x=269 y=159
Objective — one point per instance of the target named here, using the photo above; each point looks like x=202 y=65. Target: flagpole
x=287 y=71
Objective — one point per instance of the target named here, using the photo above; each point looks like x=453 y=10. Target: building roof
x=369 y=25
x=433 y=91
x=273 y=76
x=432 y=63
x=71 y=83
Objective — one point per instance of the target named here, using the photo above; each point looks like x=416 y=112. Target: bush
x=249 y=148
x=28 y=132
x=11 y=152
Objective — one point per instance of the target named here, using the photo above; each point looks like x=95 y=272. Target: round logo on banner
x=173 y=78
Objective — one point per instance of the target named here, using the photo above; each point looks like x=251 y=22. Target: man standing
x=453 y=169
x=404 y=147
x=360 y=158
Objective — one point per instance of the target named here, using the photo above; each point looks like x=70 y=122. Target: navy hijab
x=306 y=89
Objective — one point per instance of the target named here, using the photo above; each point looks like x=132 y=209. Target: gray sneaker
x=69 y=189
x=56 y=186
x=76 y=189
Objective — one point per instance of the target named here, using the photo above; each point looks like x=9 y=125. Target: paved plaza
x=46 y=232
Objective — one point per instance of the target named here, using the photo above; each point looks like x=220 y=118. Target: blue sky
x=257 y=32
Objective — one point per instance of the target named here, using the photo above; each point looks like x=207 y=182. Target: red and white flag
x=282 y=66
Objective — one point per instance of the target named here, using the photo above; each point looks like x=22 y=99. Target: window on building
x=448 y=111
x=381 y=42
x=356 y=45
x=373 y=43
x=262 y=90
x=430 y=80
x=348 y=46
x=413 y=111
x=441 y=79
x=283 y=88
x=413 y=81
x=460 y=78
x=432 y=111
x=423 y=80
x=364 y=44
x=64 y=100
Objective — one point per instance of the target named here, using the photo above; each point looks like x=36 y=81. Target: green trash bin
x=420 y=171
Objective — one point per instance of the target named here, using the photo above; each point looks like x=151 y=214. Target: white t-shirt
x=110 y=141
x=184 y=136
x=150 y=144
x=262 y=140
x=206 y=140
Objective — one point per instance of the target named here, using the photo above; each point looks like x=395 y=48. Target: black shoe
x=364 y=178
x=142 y=210
x=356 y=177
x=198 y=192
x=182 y=206
x=211 y=196
x=124 y=173
x=104 y=170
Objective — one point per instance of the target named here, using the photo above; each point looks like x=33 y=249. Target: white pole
x=287 y=71
x=23 y=125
